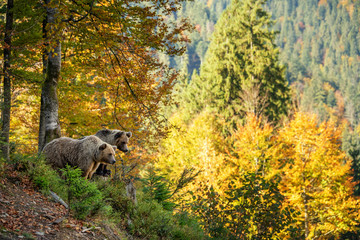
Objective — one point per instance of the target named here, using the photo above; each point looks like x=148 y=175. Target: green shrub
x=158 y=188
x=114 y=194
x=149 y=220
x=83 y=196
x=187 y=227
x=42 y=174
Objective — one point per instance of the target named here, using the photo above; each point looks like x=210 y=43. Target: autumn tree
x=251 y=208
x=253 y=147
x=112 y=47
x=256 y=209
x=110 y=73
x=317 y=178
x=197 y=146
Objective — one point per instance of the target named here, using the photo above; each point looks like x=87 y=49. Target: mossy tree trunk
x=49 y=128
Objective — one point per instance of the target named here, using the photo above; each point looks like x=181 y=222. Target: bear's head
x=106 y=153
x=122 y=139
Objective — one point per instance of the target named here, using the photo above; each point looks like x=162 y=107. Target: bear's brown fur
x=86 y=153
x=114 y=137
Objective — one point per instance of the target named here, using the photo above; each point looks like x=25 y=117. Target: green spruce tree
x=241 y=72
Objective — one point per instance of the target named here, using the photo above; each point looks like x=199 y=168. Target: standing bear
x=114 y=137
x=86 y=153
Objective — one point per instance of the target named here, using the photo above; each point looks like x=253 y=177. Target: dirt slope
x=27 y=214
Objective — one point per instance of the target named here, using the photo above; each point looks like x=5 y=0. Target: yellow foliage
x=350 y=60
x=322 y=2
x=24 y=126
x=254 y=147
x=315 y=173
x=316 y=176
x=197 y=146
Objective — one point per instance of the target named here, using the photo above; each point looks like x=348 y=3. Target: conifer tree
x=241 y=70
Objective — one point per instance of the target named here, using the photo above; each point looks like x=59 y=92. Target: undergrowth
x=106 y=200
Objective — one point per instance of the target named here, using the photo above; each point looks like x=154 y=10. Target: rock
x=40 y=233
x=49 y=217
x=4 y=201
x=4 y=215
x=57 y=221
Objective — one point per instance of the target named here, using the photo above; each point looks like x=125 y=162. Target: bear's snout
x=112 y=161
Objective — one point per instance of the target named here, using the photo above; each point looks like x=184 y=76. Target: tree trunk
x=6 y=107
x=49 y=128
x=306 y=214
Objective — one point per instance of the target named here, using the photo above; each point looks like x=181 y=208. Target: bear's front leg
x=94 y=167
x=87 y=172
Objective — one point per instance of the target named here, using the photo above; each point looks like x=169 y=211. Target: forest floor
x=27 y=214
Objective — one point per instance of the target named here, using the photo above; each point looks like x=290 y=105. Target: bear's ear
x=118 y=135
x=129 y=134
x=114 y=147
x=102 y=147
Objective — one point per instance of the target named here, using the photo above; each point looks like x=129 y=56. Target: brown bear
x=86 y=153
x=114 y=137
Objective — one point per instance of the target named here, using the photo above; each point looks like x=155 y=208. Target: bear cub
x=86 y=153
x=114 y=137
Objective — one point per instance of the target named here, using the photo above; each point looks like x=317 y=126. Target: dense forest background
x=319 y=45
x=244 y=113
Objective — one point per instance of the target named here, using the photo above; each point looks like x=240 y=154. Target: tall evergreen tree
x=241 y=70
